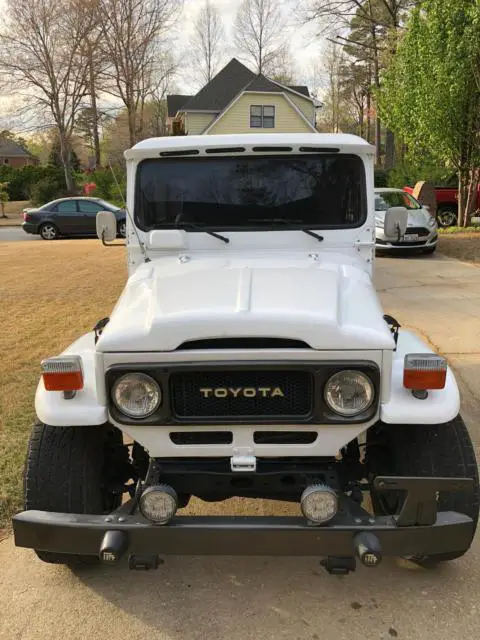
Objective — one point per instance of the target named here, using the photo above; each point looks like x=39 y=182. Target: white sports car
x=422 y=230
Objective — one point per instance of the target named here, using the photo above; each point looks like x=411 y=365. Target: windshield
x=387 y=199
x=252 y=193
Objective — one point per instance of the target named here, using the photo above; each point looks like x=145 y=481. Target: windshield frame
x=284 y=226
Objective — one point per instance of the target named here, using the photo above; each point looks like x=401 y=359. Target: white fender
x=88 y=407
x=402 y=407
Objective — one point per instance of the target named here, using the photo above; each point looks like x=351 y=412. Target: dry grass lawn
x=462 y=246
x=51 y=293
x=14 y=212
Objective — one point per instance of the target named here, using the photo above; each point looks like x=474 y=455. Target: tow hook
x=368 y=549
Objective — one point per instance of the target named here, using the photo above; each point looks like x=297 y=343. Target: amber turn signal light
x=424 y=371
x=64 y=373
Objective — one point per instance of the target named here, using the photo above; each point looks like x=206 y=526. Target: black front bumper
x=418 y=530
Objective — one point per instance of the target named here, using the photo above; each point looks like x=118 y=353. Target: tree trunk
x=132 y=125
x=93 y=97
x=65 y=157
x=389 y=150
x=470 y=197
x=2 y=205
x=369 y=117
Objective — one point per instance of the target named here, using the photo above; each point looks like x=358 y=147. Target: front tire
x=67 y=470
x=443 y=450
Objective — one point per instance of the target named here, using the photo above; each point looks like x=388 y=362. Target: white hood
x=327 y=304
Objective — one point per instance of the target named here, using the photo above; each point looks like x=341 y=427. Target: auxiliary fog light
x=319 y=503
x=159 y=503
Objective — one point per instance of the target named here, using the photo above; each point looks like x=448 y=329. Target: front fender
x=402 y=407
x=88 y=407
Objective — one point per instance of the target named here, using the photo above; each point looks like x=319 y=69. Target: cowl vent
x=243 y=343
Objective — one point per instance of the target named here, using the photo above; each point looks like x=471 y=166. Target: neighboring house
x=237 y=100
x=15 y=155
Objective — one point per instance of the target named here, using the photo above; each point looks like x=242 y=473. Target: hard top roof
x=344 y=143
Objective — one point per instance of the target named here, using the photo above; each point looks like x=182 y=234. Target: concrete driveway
x=263 y=598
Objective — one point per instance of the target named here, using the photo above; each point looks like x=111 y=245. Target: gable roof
x=11 y=149
x=221 y=89
x=300 y=89
x=175 y=103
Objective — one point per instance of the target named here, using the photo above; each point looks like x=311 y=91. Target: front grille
x=241 y=394
x=421 y=232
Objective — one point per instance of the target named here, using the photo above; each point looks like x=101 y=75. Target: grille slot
x=284 y=437
x=201 y=437
x=241 y=394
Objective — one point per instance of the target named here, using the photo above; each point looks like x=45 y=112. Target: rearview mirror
x=396 y=220
x=106 y=226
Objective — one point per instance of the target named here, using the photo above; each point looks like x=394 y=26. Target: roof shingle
x=221 y=89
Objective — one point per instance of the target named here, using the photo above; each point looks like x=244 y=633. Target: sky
x=306 y=46
x=306 y=49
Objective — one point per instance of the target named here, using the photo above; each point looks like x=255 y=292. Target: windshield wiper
x=196 y=227
x=292 y=222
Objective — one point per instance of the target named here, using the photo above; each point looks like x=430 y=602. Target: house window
x=5 y=161
x=262 y=116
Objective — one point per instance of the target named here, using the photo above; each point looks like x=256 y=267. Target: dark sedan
x=70 y=217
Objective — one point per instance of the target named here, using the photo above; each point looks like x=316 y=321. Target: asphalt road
x=9 y=234
x=191 y=598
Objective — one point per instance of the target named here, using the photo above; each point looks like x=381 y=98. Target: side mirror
x=396 y=220
x=106 y=226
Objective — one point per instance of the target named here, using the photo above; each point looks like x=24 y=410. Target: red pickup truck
x=447 y=203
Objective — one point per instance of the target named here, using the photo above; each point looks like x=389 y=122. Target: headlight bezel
x=147 y=378
x=348 y=414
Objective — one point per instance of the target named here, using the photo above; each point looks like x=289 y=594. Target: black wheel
x=430 y=250
x=74 y=470
x=48 y=231
x=444 y=450
x=122 y=229
x=447 y=216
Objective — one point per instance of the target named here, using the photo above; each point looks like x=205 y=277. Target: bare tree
x=207 y=41
x=135 y=41
x=41 y=55
x=258 y=33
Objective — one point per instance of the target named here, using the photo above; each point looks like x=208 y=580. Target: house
x=237 y=100
x=13 y=154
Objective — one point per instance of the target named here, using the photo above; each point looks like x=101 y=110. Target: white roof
x=388 y=190
x=346 y=143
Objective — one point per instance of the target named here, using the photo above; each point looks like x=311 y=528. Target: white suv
x=248 y=355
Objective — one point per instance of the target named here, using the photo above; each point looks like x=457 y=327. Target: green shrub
x=381 y=178
x=21 y=181
x=408 y=174
x=47 y=189
x=107 y=186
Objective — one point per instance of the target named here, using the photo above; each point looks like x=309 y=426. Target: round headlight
x=349 y=393
x=136 y=395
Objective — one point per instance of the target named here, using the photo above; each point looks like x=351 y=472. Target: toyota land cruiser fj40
x=248 y=355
